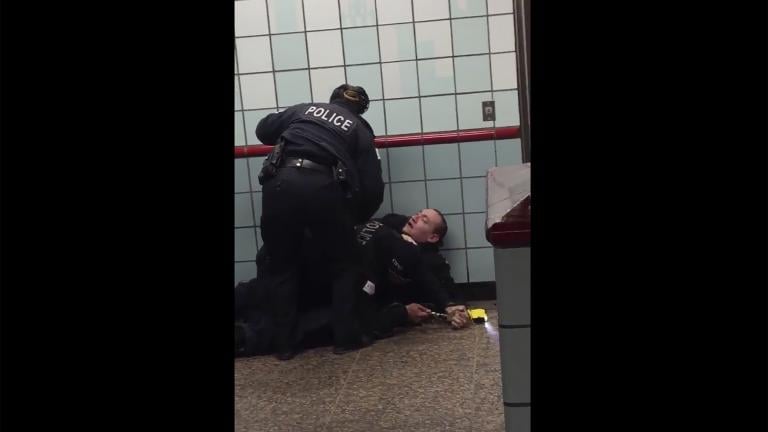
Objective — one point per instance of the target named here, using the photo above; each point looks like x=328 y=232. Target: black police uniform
x=329 y=178
x=254 y=327
x=435 y=262
x=400 y=275
x=393 y=275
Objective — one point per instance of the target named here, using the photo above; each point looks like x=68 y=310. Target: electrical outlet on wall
x=489 y=111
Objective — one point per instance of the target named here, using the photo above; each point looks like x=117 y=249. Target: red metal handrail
x=407 y=140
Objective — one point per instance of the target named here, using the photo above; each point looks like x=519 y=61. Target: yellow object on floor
x=478 y=315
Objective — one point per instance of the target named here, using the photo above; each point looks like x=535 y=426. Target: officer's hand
x=406 y=237
x=417 y=312
x=458 y=315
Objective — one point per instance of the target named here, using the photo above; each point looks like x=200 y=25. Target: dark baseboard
x=477 y=291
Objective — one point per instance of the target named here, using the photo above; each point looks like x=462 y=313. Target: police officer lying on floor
x=392 y=290
x=428 y=228
x=323 y=177
x=409 y=269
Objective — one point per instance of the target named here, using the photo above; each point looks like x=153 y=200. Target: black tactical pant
x=298 y=205
x=254 y=321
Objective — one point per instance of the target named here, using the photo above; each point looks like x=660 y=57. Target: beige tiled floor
x=429 y=378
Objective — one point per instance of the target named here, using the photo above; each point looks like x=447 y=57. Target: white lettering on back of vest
x=335 y=118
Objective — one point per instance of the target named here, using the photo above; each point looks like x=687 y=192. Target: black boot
x=286 y=347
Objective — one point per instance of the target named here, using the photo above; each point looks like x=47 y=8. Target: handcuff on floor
x=477 y=315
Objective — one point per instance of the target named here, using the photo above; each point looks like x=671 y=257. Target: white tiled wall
x=427 y=66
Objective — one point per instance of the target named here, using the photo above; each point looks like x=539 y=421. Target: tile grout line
x=274 y=108
x=458 y=145
x=277 y=102
x=306 y=46
x=341 y=390
x=421 y=113
x=384 y=107
x=341 y=35
x=373 y=25
x=271 y=57
x=490 y=71
x=422 y=59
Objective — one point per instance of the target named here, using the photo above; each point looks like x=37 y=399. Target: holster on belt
x=272 y=162
x=340 y=175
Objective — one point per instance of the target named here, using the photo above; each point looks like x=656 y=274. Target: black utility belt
x=305 y=163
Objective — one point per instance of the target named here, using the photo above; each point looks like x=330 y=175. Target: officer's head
x=427 y=226
x=353 y=96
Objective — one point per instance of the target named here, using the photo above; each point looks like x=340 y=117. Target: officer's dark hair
x=441 y=229
x=352 y=95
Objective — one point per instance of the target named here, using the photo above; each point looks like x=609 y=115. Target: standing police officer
x=322 y=178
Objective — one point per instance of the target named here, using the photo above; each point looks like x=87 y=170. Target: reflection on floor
x=430 y=378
